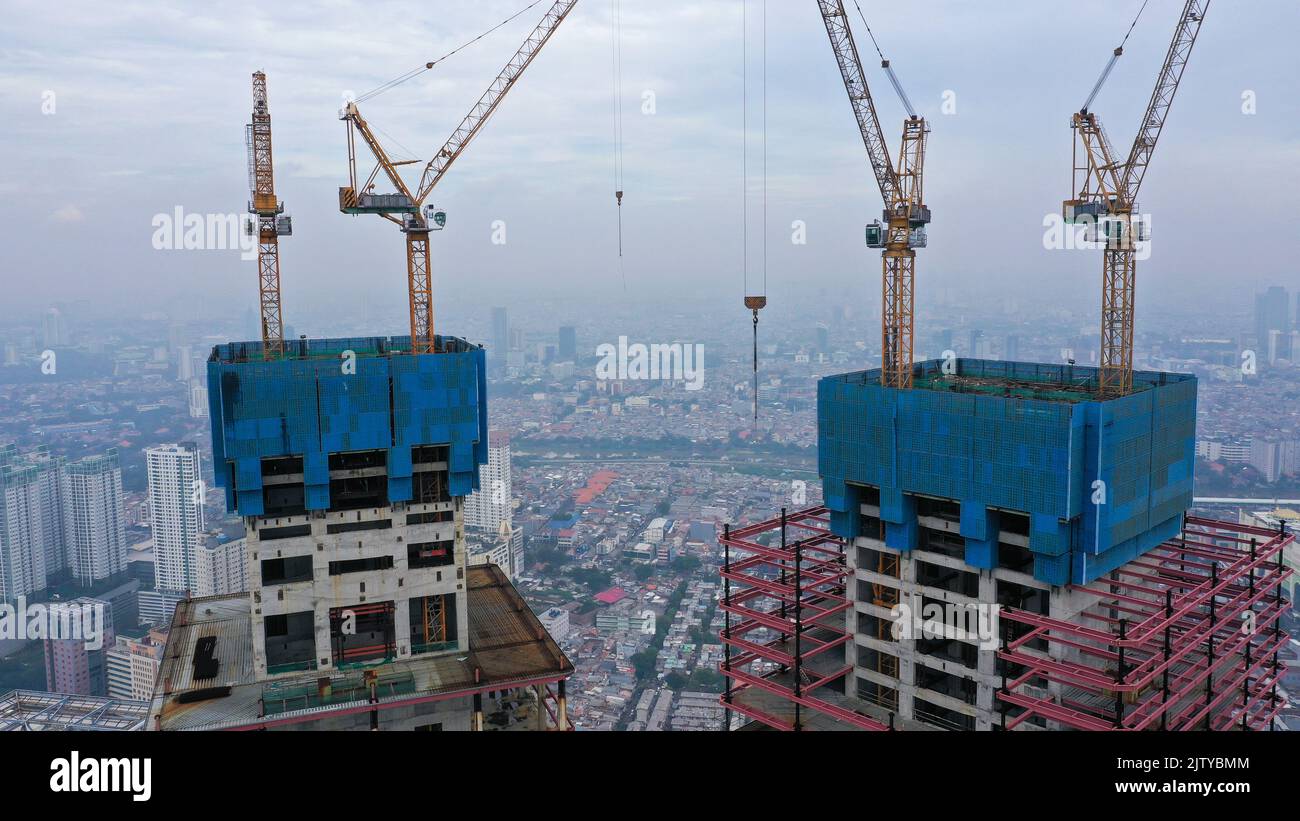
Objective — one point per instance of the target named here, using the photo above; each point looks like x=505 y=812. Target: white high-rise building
x=222 y=568
x=176 y=495
x=50 y=489
x=198 y=400
x=489 y=506
x=22 y=536
x=55 y=328
x=184 y=363
x=94 y=517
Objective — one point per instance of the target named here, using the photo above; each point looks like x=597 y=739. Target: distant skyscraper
x=22 y=543
x=55 y=328
x=54 y=531
x=1272 y=313
x=1011 y=350
x=184 y=363
x=568 y=344
x=176 y=514
x=198 y=400
x=78 y=665
x=945 y=340
x=489 y=506
x=93 y=512
x=500 y=335
x=32 y=533
x=823 y=338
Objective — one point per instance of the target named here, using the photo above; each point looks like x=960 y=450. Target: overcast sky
x=150 y=102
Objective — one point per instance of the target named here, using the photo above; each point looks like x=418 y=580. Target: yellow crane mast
x=405 y=206
x=269 y=220
x=1105 y=198
x=905 y=215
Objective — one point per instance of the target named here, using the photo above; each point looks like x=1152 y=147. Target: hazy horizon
x=150 y=106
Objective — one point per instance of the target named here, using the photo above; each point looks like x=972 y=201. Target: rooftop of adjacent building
x=508 y=648
x=28 y=710
x=1018 y=380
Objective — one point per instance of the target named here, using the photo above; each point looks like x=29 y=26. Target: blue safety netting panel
x=340 y=395
x=1101 y=481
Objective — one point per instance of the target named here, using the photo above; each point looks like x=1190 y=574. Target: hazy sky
x=150 y=102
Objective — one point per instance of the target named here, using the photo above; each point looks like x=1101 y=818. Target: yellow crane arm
x=855 y=83
x=487 y=104
x=382 y=161
x=1171 y=74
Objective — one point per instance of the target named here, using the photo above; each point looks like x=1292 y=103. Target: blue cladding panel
x=1021 y=437
x=316 y=401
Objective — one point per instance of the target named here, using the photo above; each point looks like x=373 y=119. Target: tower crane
x=902 y=228
x=900 y=234
x=269 y=220
x=405 y=207
x=1105 y=197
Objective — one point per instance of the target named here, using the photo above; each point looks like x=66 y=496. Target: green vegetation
x=685 y=564
x=705 y=680
x=595 y=580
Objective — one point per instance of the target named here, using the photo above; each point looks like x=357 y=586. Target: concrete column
x=321 y=623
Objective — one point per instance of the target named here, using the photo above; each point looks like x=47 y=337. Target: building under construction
x=1001 y=548
x=349 y=461
x=1004 y=544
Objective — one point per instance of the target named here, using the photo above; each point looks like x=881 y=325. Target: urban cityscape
x=636 y=441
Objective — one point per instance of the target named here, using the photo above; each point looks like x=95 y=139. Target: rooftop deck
x=509 y=648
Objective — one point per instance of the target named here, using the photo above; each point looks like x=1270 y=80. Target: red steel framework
x=1185 y=637
x=793 y=590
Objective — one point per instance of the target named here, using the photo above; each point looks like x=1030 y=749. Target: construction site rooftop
x=508 y=648
x=363 y=347
x=1012 y=380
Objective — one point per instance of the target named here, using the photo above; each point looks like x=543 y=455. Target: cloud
x=67 y=213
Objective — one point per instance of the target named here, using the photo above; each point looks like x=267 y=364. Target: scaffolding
x=790 y=610
x=1185 y=637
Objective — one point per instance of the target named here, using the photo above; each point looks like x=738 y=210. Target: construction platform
x=1186 y=637
x=509 y=652
x=1031 y=448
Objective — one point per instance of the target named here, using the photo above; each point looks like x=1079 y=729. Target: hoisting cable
x=754 y=303
x=415 y=72
x=1110 y=64
x=616 y=36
